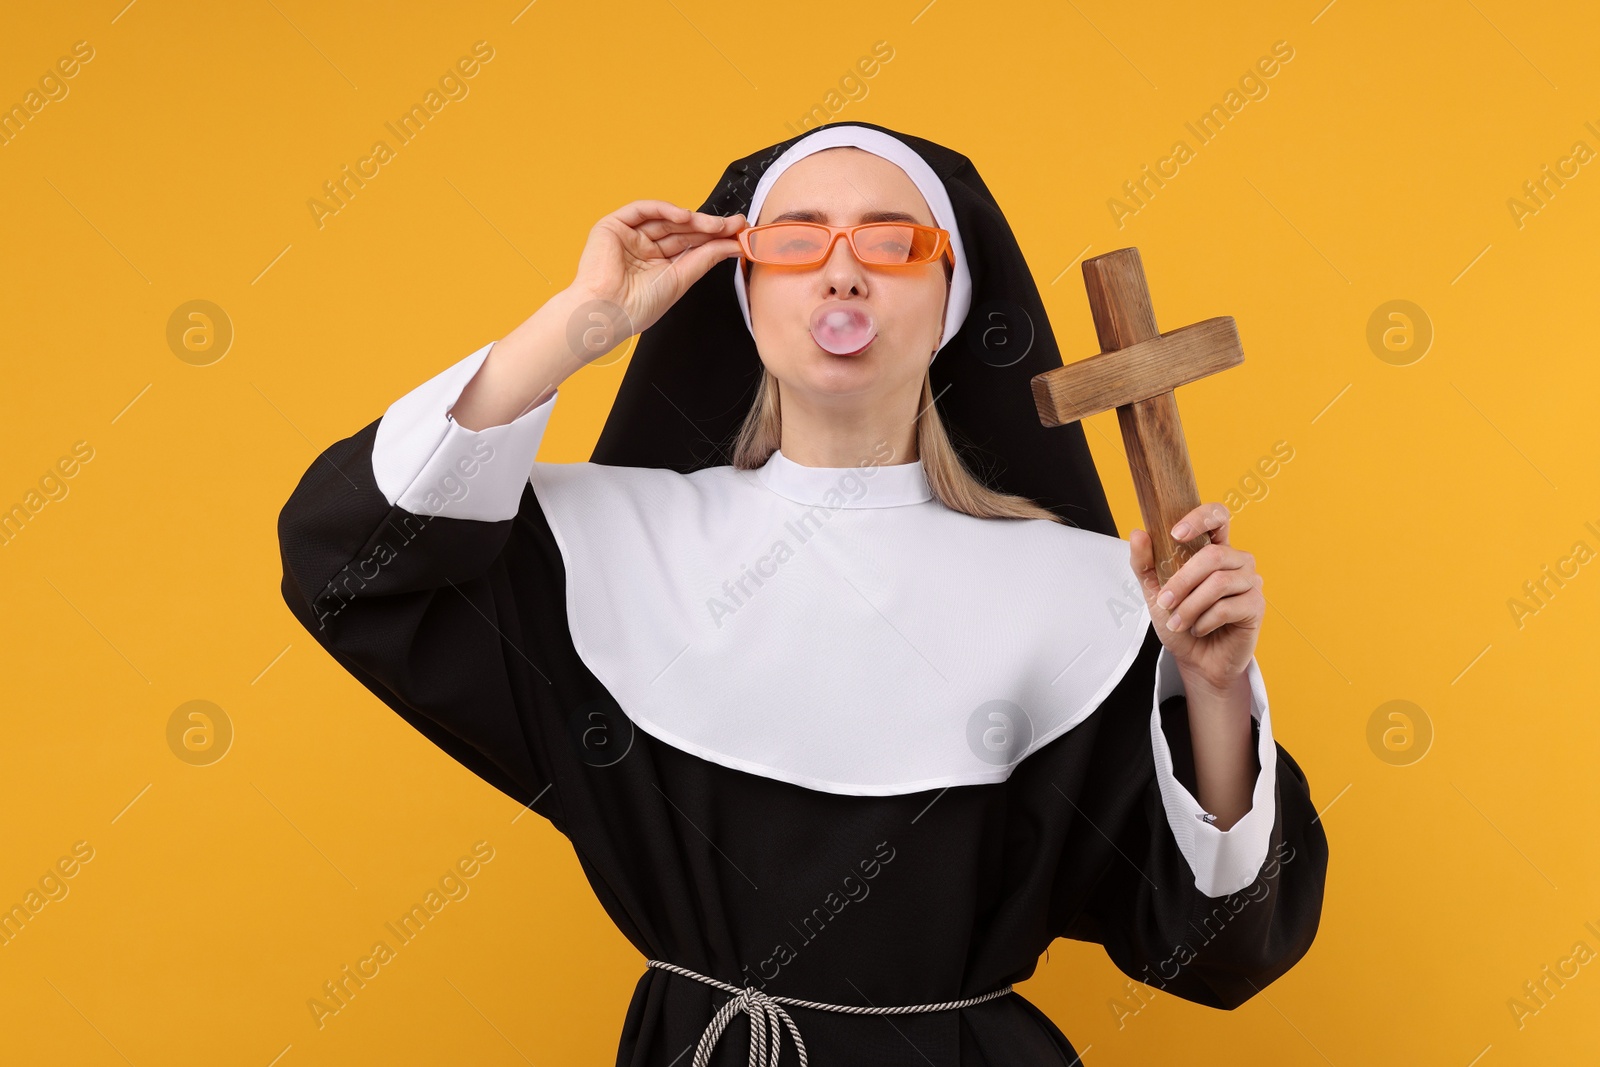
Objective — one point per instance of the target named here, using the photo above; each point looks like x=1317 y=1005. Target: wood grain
x=1136 y=372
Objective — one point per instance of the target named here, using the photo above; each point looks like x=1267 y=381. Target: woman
x=842 y=735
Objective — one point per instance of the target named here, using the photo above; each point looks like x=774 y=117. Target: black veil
x=694 y=373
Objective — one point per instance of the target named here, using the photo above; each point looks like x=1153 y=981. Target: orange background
x=1425 y=487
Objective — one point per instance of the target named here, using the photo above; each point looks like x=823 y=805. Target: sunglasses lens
x=788 y=243
x=883 y=243
x=891 y=243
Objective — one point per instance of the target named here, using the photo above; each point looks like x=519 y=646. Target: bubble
x=842 y=328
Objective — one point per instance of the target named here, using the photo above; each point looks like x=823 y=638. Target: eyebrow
x=808 y=215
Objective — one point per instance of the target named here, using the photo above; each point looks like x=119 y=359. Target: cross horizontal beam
x=1138 y=372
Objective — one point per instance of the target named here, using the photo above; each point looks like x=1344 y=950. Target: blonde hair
x=952 y=483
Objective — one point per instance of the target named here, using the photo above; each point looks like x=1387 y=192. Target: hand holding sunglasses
x=646 y=254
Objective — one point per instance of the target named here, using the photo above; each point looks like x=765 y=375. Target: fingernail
x=1173 y=623
x=1166 y=600
x=1181 y=530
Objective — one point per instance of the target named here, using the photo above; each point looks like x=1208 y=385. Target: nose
x=842 y=271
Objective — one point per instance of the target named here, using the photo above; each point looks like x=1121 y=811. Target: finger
x=639 y=211
x=674 y=240
x=1210 y=558
x=674 y=243
x=1141 y=557
x=1218 y=586
x=1234 y=609
x=655 y=229
x=697 y=222
x=712 y=225
x=696 y=261
x=1209 y=518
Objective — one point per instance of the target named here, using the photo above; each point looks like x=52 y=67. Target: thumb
x=1141 y=557
x=695 y=262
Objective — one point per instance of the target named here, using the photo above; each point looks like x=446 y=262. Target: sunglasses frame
x=941 y=250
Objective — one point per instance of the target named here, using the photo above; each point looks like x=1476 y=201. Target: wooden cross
x=1136 y=371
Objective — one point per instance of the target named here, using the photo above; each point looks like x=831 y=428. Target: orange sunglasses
x=877 y=244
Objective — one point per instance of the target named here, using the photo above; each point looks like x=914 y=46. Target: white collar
x=854 y=647
x=867 y=486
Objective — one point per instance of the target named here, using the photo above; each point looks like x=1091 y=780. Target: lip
x=846 y=355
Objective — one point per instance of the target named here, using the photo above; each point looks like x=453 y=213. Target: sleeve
x=1207 y=915
x=1223 y=861
x=415 y=553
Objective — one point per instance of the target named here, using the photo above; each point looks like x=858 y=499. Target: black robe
x=460 y=626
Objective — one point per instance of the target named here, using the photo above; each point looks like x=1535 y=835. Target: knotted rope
x=768 y=1019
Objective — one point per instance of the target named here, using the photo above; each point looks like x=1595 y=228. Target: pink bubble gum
x=842 y=328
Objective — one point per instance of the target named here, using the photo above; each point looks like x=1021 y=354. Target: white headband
x=901 y=155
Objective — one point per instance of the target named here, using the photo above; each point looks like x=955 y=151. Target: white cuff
x=1223 y=861
x=428 y=464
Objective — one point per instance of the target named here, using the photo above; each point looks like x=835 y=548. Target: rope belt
x=766 y=1015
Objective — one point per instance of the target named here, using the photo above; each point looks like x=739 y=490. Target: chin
x=823 y=372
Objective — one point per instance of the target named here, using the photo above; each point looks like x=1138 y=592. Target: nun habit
x=823 y=746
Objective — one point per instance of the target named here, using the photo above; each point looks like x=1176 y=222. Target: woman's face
x=842 y=187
